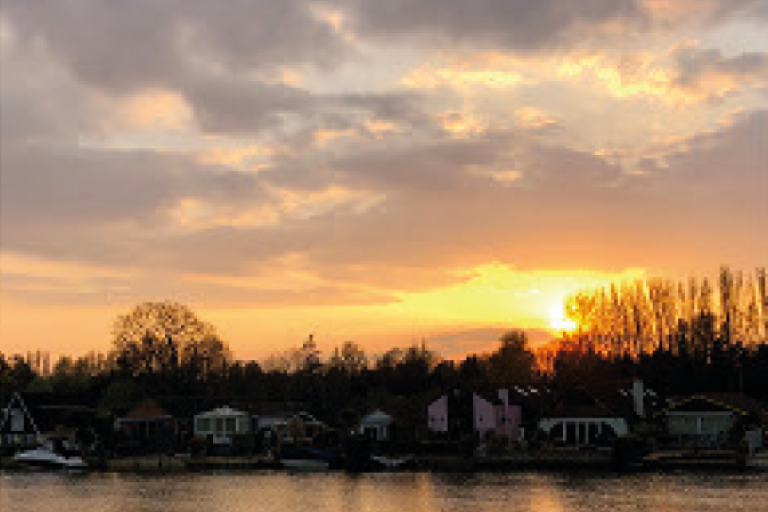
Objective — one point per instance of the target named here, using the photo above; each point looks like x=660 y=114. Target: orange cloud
x=682 y=76
x=461 y=124
x=534 y=119
x=232 y=156
x=157 y=110
x=430 y=77
x=191 y=213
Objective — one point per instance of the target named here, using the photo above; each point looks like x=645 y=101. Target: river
x=384 y=492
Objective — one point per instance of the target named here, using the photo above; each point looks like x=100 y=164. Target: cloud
x=429 y=78
x=187 y=139
x=517 y=24
x=686 y=75
x=459 y=344
x=709 y=75
x=146 y=43
x=387 y=219
x=675 y=12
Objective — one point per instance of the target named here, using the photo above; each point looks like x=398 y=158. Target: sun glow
x=557 y=320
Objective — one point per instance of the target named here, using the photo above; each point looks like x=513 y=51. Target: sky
x=385 y=172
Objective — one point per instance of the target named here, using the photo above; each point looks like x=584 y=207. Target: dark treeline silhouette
x=678 y=337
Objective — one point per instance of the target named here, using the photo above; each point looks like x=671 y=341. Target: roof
x=736 y=402
x=377 y=416
x=222 y=412
x=147 y=410
x=579 y=402
x=47 y=411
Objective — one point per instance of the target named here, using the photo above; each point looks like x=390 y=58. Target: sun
x=557 y=320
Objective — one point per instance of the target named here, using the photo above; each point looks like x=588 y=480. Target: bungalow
x=715 y=420
x=148 y=427
x=579 y=416
x=376 y=426
x=460 y=413
x=222 y=424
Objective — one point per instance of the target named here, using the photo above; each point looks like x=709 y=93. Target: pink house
x=437 y=415
x=460 y=412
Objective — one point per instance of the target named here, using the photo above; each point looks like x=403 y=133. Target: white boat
x=47 y=457
x=758 y=461
x=392 y=462
x=305 y=464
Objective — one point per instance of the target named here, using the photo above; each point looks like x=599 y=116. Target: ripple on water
x=382 y=492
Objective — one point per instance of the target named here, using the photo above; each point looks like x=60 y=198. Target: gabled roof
x=580 y=402
x=16 y=402
x=222 y=412
x=738 y=403
x=147 y=410
x=378 y=417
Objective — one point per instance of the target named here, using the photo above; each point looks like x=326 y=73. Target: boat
x=758 y=461
x=390 y=463
x=308 y=459
x=48 y=456
x=309 y=465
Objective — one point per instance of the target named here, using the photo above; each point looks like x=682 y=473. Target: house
x=715 y=420
x=222 y=424
x=463 y=413
x=376 y=426
x=32 y=418
x=288 y=426
x=148 y=427
x=579 y=416
x=17 y=425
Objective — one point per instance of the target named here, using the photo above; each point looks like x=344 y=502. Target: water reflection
x=399 y=492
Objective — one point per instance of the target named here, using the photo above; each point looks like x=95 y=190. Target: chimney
x=638 y=394
x=504 y=396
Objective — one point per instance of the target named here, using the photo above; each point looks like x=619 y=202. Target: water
x=394 y=492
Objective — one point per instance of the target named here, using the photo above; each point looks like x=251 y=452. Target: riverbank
x=555 y=460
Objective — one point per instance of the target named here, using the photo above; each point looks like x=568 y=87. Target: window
x=17 y=420
x=231 y=425
x=203 y=424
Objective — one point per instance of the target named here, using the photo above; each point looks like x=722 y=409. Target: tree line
x=680 y=337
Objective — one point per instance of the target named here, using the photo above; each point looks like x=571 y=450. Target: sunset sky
x=382 y=171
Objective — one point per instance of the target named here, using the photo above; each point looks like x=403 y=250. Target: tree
x=161 y=337
x=513 y=362
x=350 y=358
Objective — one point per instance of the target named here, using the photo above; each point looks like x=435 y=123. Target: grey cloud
x=242 y=106
x=48 y=185
x=516 y=24
x=706 y=201
x=145 y=43
x=696 y=67
x=236 y=106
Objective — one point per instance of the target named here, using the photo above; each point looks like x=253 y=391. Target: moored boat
x=390 y=463
x=48 y=457
x=758 y=461
x=305 y=464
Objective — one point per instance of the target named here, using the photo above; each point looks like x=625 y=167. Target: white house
x=708 y=419
x=222 y=424
x=582 y=417
x=376 y=425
